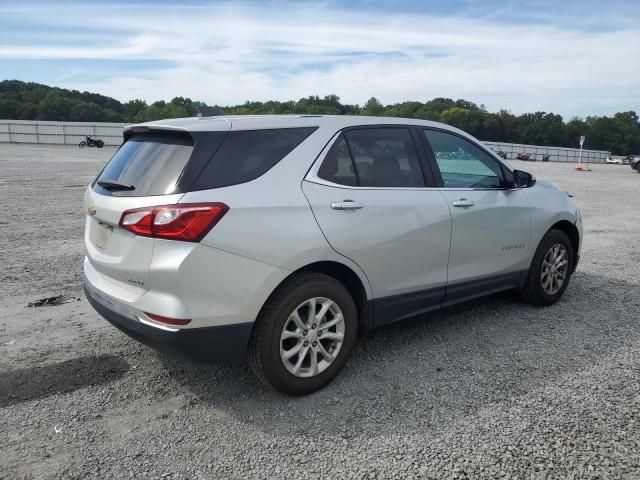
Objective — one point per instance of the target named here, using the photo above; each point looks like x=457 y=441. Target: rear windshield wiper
x=115 y=185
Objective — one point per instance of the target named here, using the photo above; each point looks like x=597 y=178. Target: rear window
x=151 y=163
x=245 y=155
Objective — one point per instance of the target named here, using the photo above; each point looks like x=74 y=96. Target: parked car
x=526 y=157
x=282 y=238
x=614 y=160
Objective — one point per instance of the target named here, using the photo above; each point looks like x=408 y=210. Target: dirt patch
x=48 y=301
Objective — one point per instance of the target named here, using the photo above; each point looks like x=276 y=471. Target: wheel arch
x=347 y=277
x=571 y=231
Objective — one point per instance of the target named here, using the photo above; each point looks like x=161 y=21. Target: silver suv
x=282 y=238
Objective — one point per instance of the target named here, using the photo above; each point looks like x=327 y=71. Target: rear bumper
x=224 y=344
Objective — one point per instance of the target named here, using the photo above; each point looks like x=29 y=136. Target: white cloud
x=230 y=53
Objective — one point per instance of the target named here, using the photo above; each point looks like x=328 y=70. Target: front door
x=491 y=220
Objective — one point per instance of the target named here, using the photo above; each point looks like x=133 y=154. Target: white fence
x=58 y=133
x=72 y=133
x=556 y=154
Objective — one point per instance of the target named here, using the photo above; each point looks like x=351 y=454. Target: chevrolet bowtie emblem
x=91 y=211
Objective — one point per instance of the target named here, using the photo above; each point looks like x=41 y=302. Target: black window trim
x=353 y=163
x=507 y=174
x=425 y=166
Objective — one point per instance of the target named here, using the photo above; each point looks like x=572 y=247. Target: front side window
x=462 y=164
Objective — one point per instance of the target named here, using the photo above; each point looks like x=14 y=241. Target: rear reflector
x=167 y=320
x=188 y=222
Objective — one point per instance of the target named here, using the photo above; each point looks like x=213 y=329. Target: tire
x=99 y=144
x=82 y=144
x=266 y=342
x=533 y=291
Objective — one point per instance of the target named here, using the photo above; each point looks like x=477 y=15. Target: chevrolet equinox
x=280 y=239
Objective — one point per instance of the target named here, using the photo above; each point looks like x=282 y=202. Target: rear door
x=150 y=168
x=368 y=195
x=491 y=220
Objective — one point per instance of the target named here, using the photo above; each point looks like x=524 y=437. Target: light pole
x=579 y=167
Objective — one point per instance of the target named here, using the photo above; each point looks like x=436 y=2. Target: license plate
x=103 y=235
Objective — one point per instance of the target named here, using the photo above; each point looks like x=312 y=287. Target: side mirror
x=523 y=179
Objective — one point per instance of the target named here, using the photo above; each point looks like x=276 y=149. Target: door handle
x=463 y=202
x=346 y=205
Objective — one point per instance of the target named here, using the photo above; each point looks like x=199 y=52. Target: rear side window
x=152 y=164
x=385 y=157
x=337 y=166
x=245 y=155
x=373 y=157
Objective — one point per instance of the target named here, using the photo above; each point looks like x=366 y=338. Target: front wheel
x=304 y=334
x=550 y=270
x=82 y=144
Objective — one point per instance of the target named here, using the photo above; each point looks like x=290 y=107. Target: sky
x=576 y=58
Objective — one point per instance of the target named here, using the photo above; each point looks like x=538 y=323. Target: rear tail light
x=188 y=222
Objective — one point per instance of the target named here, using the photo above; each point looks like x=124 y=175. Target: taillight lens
x=188 y=222
x=138 y=221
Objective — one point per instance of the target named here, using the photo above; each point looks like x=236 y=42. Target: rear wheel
x=99 y=144
x=550 y=270
x=304 y=334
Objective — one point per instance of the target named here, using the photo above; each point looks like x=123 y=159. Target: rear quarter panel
x=270 y=219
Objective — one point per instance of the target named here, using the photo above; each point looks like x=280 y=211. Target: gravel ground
x=490 y=389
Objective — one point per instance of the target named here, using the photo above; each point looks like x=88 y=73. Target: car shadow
x=39 y=382
x=449 y=363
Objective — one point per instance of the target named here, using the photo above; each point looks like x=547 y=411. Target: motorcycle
x=526 y=157
x=546 y=157
x=91 y=142
x=502 y=154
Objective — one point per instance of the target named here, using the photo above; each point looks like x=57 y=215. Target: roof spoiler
x=157 y=132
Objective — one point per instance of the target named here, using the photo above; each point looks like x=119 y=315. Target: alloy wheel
x=554 y=269
x=312 y=337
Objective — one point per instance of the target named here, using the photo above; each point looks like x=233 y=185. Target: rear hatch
x=152 y=167
x=155 y=168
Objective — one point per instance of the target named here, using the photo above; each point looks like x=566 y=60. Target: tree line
x=619 y=133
